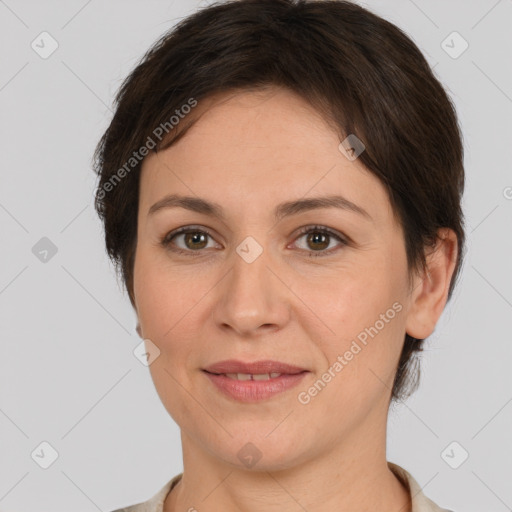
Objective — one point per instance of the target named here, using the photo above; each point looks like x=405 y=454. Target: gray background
x=67 y=372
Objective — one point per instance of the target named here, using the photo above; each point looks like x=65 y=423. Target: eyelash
x=166 y=240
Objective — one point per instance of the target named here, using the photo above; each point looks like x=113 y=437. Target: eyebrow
x=199 y=205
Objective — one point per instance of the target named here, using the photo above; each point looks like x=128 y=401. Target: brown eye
x=195 y=240
x=186 y=240
x=190 y=240
x=319 y=238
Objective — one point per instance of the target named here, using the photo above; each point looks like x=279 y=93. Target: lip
x=256 y=367
x=254 y=390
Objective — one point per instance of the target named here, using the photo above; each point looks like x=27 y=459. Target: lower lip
x=254 y=390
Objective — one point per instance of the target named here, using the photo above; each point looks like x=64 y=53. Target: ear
x=430 y=290
x=139 y=332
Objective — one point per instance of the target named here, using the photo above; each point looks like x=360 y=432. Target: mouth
x=257 y=369
x=250 y=376
x=252 y=382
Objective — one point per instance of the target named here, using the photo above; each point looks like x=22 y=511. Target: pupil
x=314 y=238
x=195 y=237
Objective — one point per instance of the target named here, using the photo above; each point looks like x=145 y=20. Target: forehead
x=254 y=143
x=257 y=121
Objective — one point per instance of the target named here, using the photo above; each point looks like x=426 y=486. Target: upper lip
x=254 y=368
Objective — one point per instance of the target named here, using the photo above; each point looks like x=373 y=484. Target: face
x=324 y=289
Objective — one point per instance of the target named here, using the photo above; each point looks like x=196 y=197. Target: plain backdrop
x=72 y=394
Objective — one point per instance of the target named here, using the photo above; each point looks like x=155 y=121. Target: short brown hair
x=364 y=74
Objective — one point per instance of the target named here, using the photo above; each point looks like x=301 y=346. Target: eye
x=194 y=240
x=319 y=238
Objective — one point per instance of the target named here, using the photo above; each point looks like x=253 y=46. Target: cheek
x=349 y=299
x=362 y=319
x=368 y=330
x=165 y=308
x=162 y=295
x=172 y=315
x=360 y=358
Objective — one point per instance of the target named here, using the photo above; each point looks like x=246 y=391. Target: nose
x=252 y=298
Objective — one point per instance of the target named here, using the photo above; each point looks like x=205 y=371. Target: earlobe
x=431 y=289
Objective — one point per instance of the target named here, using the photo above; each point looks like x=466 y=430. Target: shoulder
x=420 y=502
x=155 y=503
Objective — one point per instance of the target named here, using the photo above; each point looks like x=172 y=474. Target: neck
x=353 y=477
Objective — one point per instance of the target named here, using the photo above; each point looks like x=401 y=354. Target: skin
x=250 y=151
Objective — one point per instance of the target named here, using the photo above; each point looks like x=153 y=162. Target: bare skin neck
x=353 y=477
x=389 y=495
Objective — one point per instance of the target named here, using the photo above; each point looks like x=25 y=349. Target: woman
x=281 y=189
